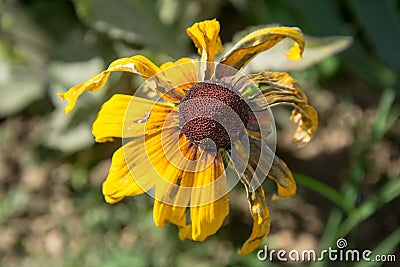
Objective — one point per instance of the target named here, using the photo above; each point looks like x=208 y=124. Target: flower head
x=209 y=127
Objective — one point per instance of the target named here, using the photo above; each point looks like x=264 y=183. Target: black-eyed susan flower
x=205 y=127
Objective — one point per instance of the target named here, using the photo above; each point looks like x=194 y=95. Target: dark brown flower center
x=212 y=113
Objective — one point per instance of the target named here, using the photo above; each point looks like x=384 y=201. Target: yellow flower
x=208 y=127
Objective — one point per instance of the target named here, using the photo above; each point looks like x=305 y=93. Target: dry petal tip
x=295 y=53
x=70 y=104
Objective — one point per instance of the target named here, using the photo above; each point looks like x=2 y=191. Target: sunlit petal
x=176 y=213
x=261 y=40
x=206 y=219
x=182 y=73
x=119 y=182
x=118 y=119
x=136 y=64
x=205 y=36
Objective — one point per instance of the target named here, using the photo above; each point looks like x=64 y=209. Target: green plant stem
x=387 y=193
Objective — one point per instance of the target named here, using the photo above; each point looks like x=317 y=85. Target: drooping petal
x=209 y=202
x=127 y=116
x=119 y=182
x=306 y=118
x=261 y=40
x=281 y=88
x=252 y=180
x=260 y=214
x=178 y=192
x=205 y=36
x=136 y=64
x=266 y=163
x=133 y=169
x=283 y=178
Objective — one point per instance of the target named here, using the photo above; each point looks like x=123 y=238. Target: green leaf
x=381 y=22
x=24 y=50
x=134 y=21
x=385 y=116
x=387 y=193
x=18 y=90
x=387 y=246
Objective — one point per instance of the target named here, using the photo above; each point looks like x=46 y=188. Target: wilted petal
x=136 y=64
x=259 y=212
x=266 y=163
x=281 y=88
x=283 y=178
x=306 y=118
x=205 y=36
x=256 y=42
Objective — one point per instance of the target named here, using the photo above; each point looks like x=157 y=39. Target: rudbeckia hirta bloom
x=207 y=127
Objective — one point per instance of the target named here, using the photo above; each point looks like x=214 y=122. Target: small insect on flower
x=208 y=127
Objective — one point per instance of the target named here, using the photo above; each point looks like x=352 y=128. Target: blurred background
x=52 y=211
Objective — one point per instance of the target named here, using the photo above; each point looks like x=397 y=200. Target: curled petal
x=255 y=196
x=261 y=40
x=283 y=178
x=277 y=171
x=136 y=64
x=205 y=36
x=280 y=88
x=259 y=212
x=306 y=118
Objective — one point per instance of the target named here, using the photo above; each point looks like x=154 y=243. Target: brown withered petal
x=281 y=88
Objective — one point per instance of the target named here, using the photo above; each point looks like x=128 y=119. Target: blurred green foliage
x=51 y=208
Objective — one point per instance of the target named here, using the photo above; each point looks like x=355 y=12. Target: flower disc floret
x=205 y=115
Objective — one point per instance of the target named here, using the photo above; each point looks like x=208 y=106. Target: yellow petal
x=127 y=116
x=205 y=36
x=174 y=213
x=280 y=88
x=261 y=40
x=136 y=64
x=260 y=214
x=182 y=73
x=306 y=118
x=163 y=213
x=277 y=171
x=110 y=120
x=135 y=166
x=283 y=178
x=93 y=84
x=295 y=52
x=119 y=182
x=207 y=218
